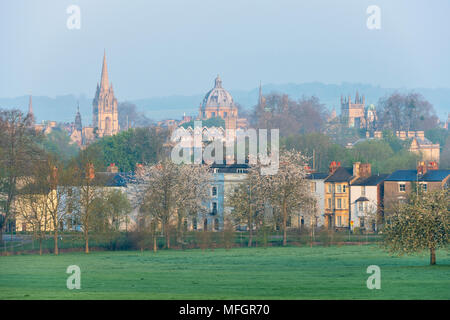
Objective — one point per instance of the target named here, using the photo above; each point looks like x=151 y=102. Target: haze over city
x=161 y=48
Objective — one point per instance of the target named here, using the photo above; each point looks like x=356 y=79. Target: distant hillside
x=63 y=108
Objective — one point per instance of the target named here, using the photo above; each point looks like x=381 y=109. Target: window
x=329 y=203
x=339 y=203
x=339 y=188
x=240 y=170
x=213 y=114
x=339 y=221
x=214 y=208
x=225 y=114
x=344 y=188
x=361 y=206
x=361 y=222
x=214 y=191
x=216 y=224
x=402 y=187
x=194 y=224
x=424 y=187
x=329 y=188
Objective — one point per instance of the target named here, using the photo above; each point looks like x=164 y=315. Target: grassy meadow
x=334 y=272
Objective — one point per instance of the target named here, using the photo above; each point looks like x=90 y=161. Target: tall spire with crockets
x=104 y=82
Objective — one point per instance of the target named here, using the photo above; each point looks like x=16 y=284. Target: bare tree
x=31 y=207
x=18 y=150
x=130 y=117
x=406 y=112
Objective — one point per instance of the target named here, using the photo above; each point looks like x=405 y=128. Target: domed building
x=218 y=102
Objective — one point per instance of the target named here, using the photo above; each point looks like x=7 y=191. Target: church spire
x=30 y=105
x=104 y=82
x=260 y=93
x=78 y=123
x=30 y=109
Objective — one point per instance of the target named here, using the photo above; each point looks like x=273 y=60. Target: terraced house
x=401 y=183
x=337 y=193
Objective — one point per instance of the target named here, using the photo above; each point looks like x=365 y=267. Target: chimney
x=365 y=170
x=421 y=168
x=356 y=166
x=333 y=166
x=432 y=165
x=112 y=168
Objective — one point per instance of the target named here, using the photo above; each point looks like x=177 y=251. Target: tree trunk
x=86 y=239
x=250 y=236
x=155 y=247
x=167 y=235
x=40 y=246
x=432 y=256
x=284 y=224
x=55 y=239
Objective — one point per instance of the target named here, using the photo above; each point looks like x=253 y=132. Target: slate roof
x=402 y=175
x=411 y=175
x=341 y=174
x=435 y=175
x=110 y=179
x=317 y=175
x=370 y=181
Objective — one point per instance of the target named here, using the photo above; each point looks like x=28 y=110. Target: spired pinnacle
x=30 y=106
x=104 y=82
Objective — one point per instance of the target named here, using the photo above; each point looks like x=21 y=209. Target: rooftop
x=411 y=175
x=341 y=174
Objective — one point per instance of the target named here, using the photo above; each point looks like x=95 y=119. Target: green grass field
x=241 y=273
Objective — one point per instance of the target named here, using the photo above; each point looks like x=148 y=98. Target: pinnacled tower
x=105 y=113
x=353 y=113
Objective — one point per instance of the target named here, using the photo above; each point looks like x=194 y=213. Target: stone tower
x=105 y=114
x=353 y=113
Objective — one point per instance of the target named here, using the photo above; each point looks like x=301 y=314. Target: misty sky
x=166 y=47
